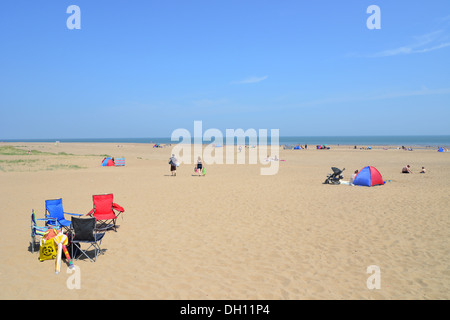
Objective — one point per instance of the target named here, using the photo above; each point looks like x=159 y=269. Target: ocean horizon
x=407 y=141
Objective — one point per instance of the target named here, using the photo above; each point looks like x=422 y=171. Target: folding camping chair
x=83 y=231
x=106 y=211
x=54 y=209
x=39 y=231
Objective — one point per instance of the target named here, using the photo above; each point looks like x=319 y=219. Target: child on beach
x=423 y=170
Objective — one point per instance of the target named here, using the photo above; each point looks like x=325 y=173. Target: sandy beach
x=233 y=234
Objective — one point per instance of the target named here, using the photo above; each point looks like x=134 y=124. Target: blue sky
x=143 y=68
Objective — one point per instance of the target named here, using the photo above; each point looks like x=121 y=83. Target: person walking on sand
x=199 y=166
x=173 y=165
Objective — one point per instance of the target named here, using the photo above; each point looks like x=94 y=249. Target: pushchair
x=335 y=177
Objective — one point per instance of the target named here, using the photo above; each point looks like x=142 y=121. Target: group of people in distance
x=407 y=169
x=199 y=168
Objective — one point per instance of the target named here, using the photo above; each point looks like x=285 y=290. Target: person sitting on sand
x=423 y=170
x=406 y=169
x=352 y=178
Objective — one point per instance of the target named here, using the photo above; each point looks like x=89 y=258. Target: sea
x=359 y=141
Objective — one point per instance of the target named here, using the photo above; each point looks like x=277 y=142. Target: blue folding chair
x=54 y=209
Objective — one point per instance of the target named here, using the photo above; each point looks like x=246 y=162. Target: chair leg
x=97 y=250
x=96 y=247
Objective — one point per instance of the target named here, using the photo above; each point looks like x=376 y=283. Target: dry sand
x=233 y=234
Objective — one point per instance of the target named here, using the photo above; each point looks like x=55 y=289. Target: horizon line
x=286 y=136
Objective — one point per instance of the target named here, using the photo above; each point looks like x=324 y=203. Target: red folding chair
x=106 y=211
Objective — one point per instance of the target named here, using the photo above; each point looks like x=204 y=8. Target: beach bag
x=204 y=171
x=48 y=249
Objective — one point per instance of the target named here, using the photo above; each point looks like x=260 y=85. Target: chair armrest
x=73 y=214
x=117 y=207
x=90 y=212
x=40 y=228
x=51 y=219
x=47 y=219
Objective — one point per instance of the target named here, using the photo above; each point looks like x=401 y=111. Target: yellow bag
x=48 y=250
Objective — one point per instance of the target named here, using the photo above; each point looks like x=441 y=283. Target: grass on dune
x=14 y=151
x=26 y=164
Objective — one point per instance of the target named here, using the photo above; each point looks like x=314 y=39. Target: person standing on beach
x=173 y=165
x=199 y=166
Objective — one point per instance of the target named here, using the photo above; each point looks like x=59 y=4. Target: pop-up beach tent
x=107 y=162
x=369 y=177
x=441 y=149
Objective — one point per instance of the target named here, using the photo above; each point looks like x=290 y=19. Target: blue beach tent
x=441 y=149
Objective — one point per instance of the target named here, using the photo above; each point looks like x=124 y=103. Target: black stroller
x=335 y=177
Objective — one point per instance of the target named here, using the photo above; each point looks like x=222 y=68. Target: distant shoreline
x=358 y=141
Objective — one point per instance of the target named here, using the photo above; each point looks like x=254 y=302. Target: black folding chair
x=83 y=230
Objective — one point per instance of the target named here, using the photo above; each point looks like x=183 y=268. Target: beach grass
x=64 y=166
x=20 y=161
x=21 y=165
x=15 y=151
x=17 y=164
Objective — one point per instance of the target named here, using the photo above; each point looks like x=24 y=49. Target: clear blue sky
x=143 y=68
